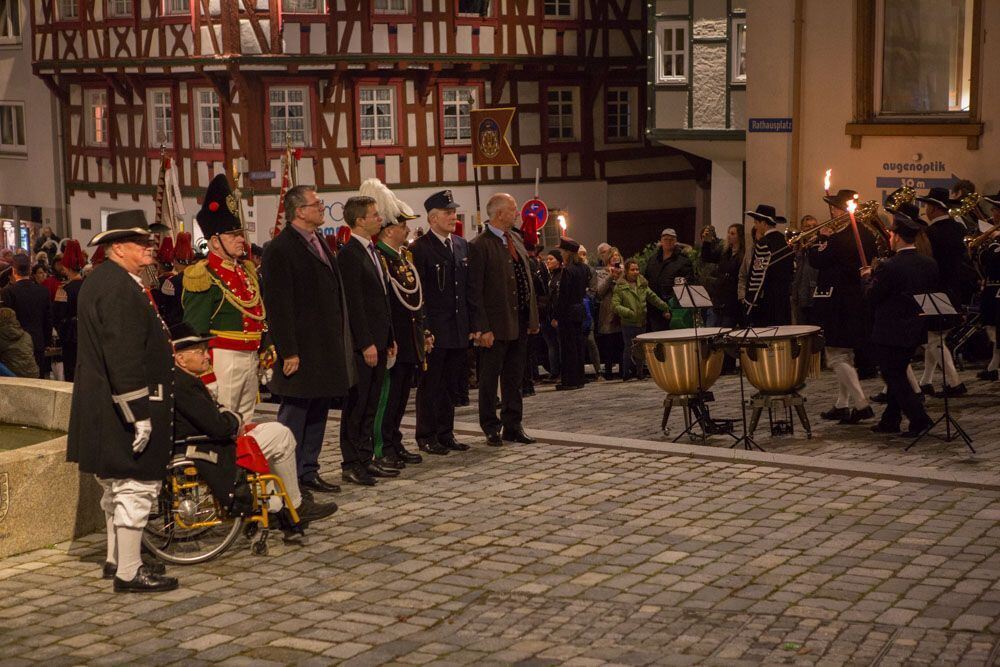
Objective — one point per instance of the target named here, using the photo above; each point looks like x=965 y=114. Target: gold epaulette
x=196 y=277
x=250 y=268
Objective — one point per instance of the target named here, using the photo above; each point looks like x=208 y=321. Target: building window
x=209 y=119
x=176 y=7
x=738 y=44
x=12 y=128
x=289 y=116
x=10 y=22
x=925 y=52
x=561 y=114
x=97 y=118
x=119 y=8
x=377 y=117
x=620 y=116
x=474 y=8
x=302 y=6
x=392 y=6
x=69 y=10
x=161 y=118
x=456 y=103
x=560 y=9
x=672 y=47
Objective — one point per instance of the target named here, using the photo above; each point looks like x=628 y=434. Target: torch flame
x=851 y=205
x=826 y=180
x=562 y=223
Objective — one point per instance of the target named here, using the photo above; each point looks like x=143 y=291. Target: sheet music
x=692 y=296
x=935 y=303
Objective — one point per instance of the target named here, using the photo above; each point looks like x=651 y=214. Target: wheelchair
x=188 y=525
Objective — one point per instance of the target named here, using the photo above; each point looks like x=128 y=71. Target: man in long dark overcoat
x=120 y=423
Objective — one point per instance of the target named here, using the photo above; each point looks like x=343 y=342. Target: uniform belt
x=236 y=335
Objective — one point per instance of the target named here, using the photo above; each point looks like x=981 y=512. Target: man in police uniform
x=222 y=297
x=120 y=421
x=769 y=283
x=441 y=258
x=406 y=301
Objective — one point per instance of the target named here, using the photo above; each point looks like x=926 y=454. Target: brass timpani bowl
x=681 y=362
x=790 y=355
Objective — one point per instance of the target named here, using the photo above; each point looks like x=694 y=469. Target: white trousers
x=277 y=444
x=126 y=504
x=840 y=360
x=236 y=380
x=933 y=359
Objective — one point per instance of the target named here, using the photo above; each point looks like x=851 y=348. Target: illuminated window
x=97 y=118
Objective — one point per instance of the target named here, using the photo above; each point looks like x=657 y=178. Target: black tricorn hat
x=183 y=336
x=220 y=211
x=123 y=226
x=940 y=197
x=765 y=213
x=840 y=199
x=568 y=244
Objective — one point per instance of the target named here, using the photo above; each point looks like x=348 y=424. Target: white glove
x=143 y=429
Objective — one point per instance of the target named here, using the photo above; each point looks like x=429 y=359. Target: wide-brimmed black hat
x=220 y=211
x=568 y=244
x=906 y=219
x=442 y=199
x=940 y=197
x=765 y=213
x=840 y=199
x=123 y=226
x=183 y=336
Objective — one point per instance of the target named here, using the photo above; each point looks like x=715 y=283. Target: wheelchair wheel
x=187 y=525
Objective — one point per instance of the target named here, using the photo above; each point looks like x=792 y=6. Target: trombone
x=866 y=214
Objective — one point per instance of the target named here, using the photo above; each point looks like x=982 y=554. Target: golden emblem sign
x=490 y=147
x=232 y=204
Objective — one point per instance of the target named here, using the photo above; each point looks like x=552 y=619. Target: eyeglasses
x=319 y=203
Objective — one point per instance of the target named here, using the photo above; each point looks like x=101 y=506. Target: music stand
x=938 y=305
x=696 y=297
x=743 y=341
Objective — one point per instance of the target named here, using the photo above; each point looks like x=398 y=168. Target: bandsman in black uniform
x=441 y=258
x=947 y=237
x=406 y=307
x=769 y=282
x=897 y=327
x=838 y=302
x=989 y=300
x=120 y=422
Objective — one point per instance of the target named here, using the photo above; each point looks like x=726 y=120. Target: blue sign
x=770 y=125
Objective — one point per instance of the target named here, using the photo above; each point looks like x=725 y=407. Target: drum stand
x=747 y=438
x=696 y=414
x=784 y=402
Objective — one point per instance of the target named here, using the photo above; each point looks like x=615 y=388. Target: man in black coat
x=33 y=306
x=898 y=329
x=308 y=324
x=366 y=287
x=120 y=421
x=769 y=283
x=568 y=315
x=442 y=261
x=663 y=269
x=505 y=311
x=947 y=239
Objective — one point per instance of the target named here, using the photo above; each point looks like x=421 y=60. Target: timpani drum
x=681 y=361
x=783 y=357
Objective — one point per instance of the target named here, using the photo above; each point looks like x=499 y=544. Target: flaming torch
x=826 y=181
x=562 y=224
x=851 y=206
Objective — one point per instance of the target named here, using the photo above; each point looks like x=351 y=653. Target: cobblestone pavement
x=544 y=554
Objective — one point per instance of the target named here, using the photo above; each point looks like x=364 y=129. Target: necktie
x=510 y=247
x=447 y=244
x=378 y=264
x=314 y=240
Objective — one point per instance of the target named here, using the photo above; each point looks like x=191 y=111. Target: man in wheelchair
x=197 y=415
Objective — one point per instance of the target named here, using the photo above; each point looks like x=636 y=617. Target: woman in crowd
x=724 y=286
x=568 y=314
x=608 y=325
x=631 y=296
x=553 y=267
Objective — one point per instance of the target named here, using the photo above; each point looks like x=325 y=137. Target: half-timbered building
x=364 y=88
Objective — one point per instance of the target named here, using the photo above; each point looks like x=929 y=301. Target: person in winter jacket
x=17 y=352
x=631 y=296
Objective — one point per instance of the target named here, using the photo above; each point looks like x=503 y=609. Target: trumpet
x=866 y=213
x=967 y=204
x=975 y=241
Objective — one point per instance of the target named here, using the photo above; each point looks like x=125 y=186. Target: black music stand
x=937 y=305
x=743 y=341
x=696 y=297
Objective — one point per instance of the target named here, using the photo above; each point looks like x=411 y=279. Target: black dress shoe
x=354 y=476
x=880 y=398
x=494 y=440
x=835 y=414
x=154 y=566
x=432 y=447
x=455 y=445
x=376 y=469
x=310 y=511
x=885 y=428
x=283 y=520
x=989 y=376
x=927 y=389
x=145 y=582
x=916 y=430
x=518 y=435
x=318 y=484
x=408 y=457
x=391 y=461
x=957 y=390
x=857 y=416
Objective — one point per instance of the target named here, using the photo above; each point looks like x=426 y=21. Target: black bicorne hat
x=220 y=211
x=840 y=199
x=183 y=336
x=123 y=226
x=940 y=197
x=765 y=213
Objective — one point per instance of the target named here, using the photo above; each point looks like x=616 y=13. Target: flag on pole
x=285 y=178
x=490 y=147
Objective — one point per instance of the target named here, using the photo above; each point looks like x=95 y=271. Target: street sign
x=537 y=208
